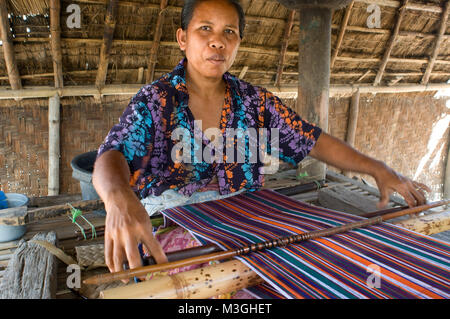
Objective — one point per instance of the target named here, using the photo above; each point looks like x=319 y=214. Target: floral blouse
x=144 y=135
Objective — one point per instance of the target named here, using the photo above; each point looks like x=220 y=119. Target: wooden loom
x=228 y=276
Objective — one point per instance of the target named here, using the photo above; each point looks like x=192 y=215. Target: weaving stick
x=278 y=242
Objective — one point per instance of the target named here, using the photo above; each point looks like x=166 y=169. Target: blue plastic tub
x=10 y=233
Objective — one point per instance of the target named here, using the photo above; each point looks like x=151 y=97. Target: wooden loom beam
x=391 y=43
x=437 y=43
x=8 y=48
x=153 y=57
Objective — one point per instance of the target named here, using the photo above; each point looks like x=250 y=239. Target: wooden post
x=155 y=46
x=447 y=172
x=341 y=33
x=352 y=122
x=437 y=43
x=390 y=44
x=8 y=48
x=199 y=283
x=284 y=46
x=108 y=34
x=53 y=145
x=55 y=31
x=314 y=75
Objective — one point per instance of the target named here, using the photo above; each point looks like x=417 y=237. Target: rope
x=77 y=213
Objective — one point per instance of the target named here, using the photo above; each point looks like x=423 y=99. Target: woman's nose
x=217 y=43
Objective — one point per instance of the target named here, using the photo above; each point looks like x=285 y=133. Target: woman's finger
x=109 y=244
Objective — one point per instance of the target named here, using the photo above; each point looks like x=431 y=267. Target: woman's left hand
x=389 y=181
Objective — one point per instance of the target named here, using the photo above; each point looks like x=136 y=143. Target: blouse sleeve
x=296 y=137
x=133 y=135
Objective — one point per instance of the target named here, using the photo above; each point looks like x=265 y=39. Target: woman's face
x=212 y=39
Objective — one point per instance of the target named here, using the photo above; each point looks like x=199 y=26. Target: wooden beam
x=428 y=224
x=243 y=71
x=8 y=48
x=53 y=144
x=437 y=43
x=108 y=34
x=258 y=49
x=284 y=46
x=286 y=91
x=447 y=171
x=153 y=57
x=341 y=33
x=352 y=122
x=55 y=32
x=390 y=44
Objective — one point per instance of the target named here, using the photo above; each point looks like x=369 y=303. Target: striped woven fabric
x=380 y=261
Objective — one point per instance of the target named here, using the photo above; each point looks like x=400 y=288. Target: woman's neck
x=201 y=86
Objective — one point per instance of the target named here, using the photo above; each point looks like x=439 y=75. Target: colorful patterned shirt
x=144 y=135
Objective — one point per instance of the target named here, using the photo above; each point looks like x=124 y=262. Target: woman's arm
x=127 y=222
x=337 y=153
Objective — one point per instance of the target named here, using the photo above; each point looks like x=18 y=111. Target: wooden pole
x=437 y=43
x=352 y=123
x=277 y=242
x=284 y=46
x=8 y=48
x=199 y=283
x=105 y=51
x=55 y=31
x=390 y=44
x=53 y=145
x=341 y=33
x=447 y=171
x=314 y=76
x=151 y=63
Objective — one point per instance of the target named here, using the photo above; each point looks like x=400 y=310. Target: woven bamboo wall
x=392 y=128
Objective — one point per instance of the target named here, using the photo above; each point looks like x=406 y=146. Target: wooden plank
x=31 y=272
x=13 y=216
x=54 y=151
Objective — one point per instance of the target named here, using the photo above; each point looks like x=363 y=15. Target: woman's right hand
x=127 y=225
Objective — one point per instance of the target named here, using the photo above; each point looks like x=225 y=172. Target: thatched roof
x=359 y=55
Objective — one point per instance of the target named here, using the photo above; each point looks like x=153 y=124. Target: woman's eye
x=205 y=27
x=229 y=31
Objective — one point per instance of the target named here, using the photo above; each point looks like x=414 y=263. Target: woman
x=200 y=89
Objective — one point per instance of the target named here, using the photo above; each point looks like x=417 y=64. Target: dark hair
x=188 y=11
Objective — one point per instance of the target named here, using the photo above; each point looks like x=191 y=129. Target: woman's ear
x=181 y=38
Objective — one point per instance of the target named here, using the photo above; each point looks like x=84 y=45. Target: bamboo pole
x=55 y=31
x=153 y=57
x=391 y=43
x=199 y=283
x=284 y=46
x=296 y=238
x=286 y=91
x=53 y=145
x=352 y=122
x=8 y=48
x=437 y=43
x=105 y=51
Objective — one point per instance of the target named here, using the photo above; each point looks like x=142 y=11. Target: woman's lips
x=216 y=59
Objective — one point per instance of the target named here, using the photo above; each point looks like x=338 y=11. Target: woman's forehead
x=215 y=11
